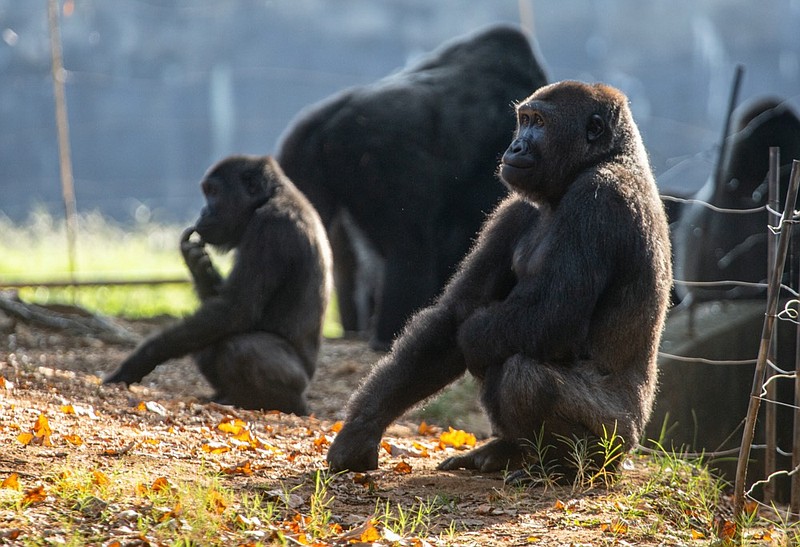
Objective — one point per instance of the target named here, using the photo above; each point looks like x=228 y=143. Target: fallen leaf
x=161 y=484
x=724 y=528
x=402 y=468
x=457 y=438
x=5 y=384
x=337 y=427
x=215 y=447
x=99 y=478
x=34 y=495
x=243 y=468
x=25 y=438
x=11 y=482
x=364 y=533
x=74 y=440
x=616 y=527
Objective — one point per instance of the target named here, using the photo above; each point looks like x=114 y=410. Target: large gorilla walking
x=404 y=168
x=557 y=310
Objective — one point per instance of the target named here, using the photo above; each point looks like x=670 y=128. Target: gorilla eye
x=524 y=119
x=538 y=121
x=209 y=190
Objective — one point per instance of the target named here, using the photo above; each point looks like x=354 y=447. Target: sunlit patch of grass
x=35 y=251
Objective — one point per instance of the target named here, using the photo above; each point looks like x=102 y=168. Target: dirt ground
x=165 y=420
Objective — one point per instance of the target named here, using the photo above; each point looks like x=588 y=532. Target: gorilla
x=257 y=332
x=402 y=171
x=558 y=308
x=716 y=246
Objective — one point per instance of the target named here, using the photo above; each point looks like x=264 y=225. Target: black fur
x=257 y=333
x=410 y=161
x=558 y=308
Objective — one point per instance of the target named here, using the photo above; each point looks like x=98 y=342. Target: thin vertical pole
x=62 y=127
x=773 y=292
x=794 y=502
x=770 y=411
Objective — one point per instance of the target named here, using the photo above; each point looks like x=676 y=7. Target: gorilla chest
x=531 y=251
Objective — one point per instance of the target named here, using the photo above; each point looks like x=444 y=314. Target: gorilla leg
x=529 y=402
x=258 y=371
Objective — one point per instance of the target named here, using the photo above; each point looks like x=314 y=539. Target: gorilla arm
x=426 y=357
x=562 y=277
x=237 y=308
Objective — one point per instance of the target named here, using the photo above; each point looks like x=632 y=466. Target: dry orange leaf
x=724 y=528
x=402 y=468
x=68 y=409
x=216 y=503
x=321 y=442
x=161 y=484
x=25 y=438
x=34 y=495
x=240 y=469
x=42 y=426
x=616 y=526
x=425 y=429
x=99 y=478
x=11 y=482
x=337 y=427
x=5 y=384
x=74 y=440
x=456 y=438
x=215 y=448
x=232 y=426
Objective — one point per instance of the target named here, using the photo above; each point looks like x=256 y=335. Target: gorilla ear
x=595 y=128
x=253 y=180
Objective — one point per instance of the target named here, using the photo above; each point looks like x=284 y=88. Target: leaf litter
x=82 y=460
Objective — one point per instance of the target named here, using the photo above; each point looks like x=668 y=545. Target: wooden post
x=773 y=291
x=770 y=411
x=62 y=127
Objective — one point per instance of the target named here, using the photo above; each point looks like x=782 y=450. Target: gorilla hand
x=479 y=351
x=138 y=365
x=355 y=448
x=206 y=278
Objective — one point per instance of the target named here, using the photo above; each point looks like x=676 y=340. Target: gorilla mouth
x=514 y=171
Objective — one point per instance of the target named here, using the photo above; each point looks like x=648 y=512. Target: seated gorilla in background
x=257 y=332
x=557 y=310
x=403 y=170
x=716 y=246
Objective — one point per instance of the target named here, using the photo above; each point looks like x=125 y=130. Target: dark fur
x=411 y=159
x=558 y=308
x=716 y=246
x=257 y=333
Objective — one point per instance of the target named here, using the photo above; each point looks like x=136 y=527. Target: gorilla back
x=557 y=310
x=409 y=163
x=257 y=332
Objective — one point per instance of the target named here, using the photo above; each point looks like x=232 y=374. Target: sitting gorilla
x=557 y=310
x=257 y=333
x=403 y=170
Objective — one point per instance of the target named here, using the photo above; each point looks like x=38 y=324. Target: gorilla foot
x=497 y=455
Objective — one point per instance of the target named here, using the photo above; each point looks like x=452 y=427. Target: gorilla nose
x=518 y=147
x=518 y=154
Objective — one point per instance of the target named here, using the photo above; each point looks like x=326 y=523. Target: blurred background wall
x=157 y=90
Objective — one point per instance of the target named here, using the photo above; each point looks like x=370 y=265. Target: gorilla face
x=233 y=191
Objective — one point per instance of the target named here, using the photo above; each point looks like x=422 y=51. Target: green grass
x=36 y=251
